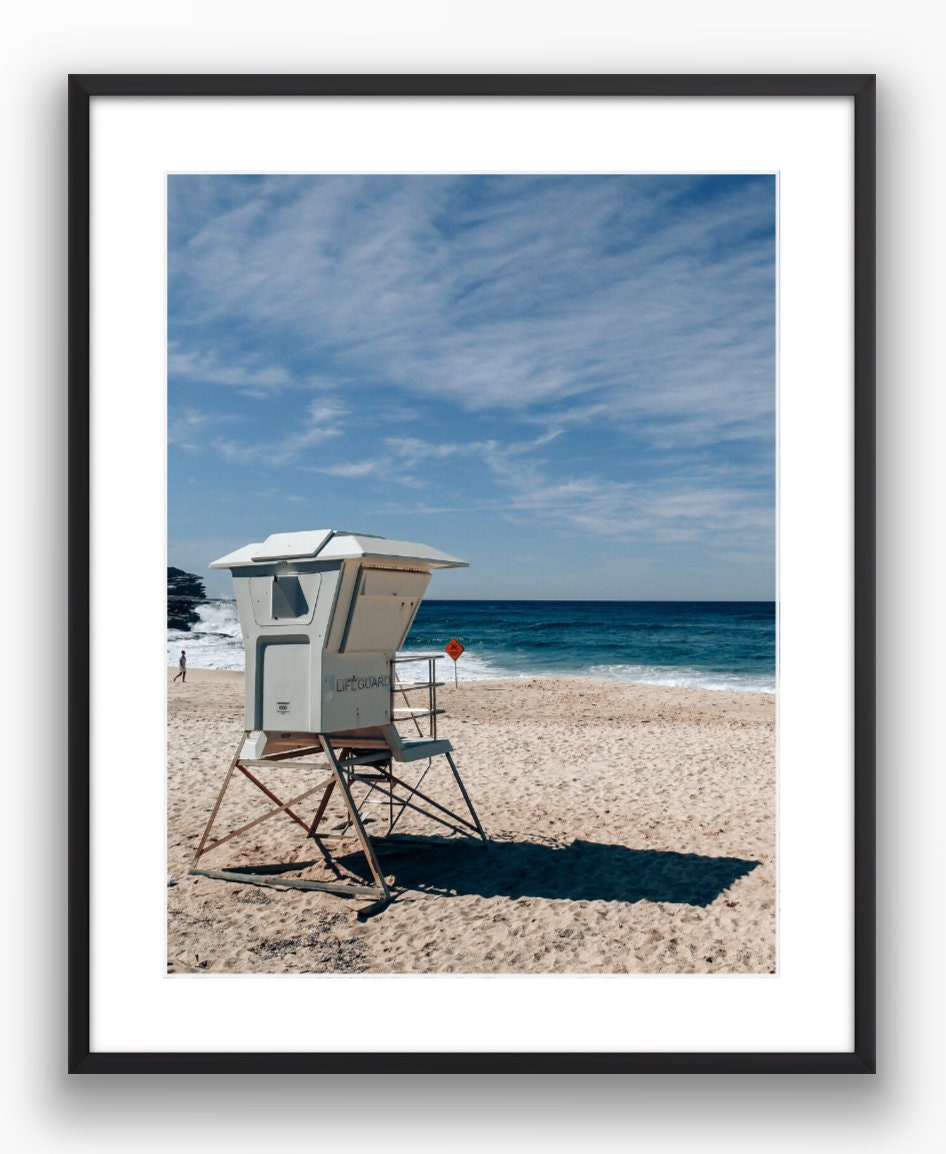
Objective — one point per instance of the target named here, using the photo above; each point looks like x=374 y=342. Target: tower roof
x=335 y=545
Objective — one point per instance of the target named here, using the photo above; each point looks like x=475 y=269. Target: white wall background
x=46 y=1110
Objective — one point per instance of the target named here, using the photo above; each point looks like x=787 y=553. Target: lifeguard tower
x=323 y=615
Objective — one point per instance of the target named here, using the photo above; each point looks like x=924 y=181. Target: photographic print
x=471 y=634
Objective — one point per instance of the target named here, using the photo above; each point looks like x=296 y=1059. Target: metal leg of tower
x=213 y=812
x=340 y=775
x=466 y=796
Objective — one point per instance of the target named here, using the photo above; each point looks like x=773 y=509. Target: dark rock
x=185 y=592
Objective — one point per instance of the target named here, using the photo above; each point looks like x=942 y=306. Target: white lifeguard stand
x=323 y=615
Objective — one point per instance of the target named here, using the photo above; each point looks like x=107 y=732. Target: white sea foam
x=686 y=677
x=216 y=642
x=469 y=667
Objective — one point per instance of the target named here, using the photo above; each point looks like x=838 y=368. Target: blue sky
x=567 y=381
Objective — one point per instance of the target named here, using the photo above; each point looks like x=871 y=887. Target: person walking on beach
x=181 y=668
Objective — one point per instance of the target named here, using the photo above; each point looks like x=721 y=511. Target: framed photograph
x=471 y=574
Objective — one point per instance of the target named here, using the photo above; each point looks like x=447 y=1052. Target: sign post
x=454 y=649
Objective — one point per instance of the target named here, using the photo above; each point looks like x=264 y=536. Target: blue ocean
x=723 y=645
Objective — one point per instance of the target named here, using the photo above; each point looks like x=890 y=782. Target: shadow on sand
x=582 y=871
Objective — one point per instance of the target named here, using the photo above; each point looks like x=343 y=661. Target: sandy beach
x=631 y=827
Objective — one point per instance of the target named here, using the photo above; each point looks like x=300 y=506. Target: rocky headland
x=185 y=592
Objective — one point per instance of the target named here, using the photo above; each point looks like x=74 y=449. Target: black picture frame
x=862 y=88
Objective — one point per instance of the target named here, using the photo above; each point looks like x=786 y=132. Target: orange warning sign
x=454 y=648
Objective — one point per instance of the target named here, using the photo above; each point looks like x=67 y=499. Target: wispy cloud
x=321 y=422
x=188 y=428
x=592 y=354
x=701 y=502
x=520 y=294
x=207 y=366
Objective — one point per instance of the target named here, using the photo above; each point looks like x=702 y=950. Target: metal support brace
x=344 y=772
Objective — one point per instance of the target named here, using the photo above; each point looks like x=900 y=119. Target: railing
x=407 y=711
